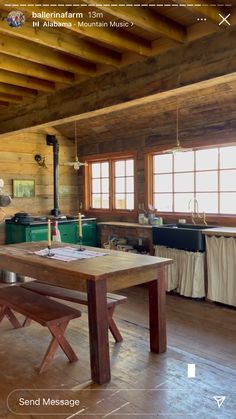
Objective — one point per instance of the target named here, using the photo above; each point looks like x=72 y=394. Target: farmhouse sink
x=181 y=236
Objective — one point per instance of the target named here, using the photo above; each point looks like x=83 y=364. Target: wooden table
x=115 y=271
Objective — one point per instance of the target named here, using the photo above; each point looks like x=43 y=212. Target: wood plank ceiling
x=35 y=60
x=39 y=60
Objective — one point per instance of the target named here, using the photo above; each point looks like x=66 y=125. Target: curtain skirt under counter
x=221 y=269
x=187 y=274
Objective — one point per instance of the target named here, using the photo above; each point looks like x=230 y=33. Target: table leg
x=98 y=331
x=157 y=313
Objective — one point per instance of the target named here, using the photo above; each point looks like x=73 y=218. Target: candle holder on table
x=80 y=249
x=50 y=253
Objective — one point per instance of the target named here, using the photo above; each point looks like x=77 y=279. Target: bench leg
x=6 y=311
x=57 y=332
x=112 y=326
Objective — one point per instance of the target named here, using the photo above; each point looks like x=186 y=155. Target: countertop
x=124 y=224
x=220 y=231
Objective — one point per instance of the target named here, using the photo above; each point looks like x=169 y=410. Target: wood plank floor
x=143 y=385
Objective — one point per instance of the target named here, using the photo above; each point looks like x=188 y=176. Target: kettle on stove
x=22 y=218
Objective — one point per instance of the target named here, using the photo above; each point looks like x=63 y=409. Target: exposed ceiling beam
x=26 y=81
x=20 y=66
x=143 y=18
x=109 y=36
x=41 y=55
x=10 y=98
x=210 y=12
x=15 y=90
x=151 y=79
x=64 y=42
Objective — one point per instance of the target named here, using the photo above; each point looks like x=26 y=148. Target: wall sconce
x=40 y=160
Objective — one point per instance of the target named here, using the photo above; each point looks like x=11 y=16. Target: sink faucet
x=195 y=211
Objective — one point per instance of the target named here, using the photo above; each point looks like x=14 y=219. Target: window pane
x=120 y=184
x=96 y=186
x=130 y=201
x=206 y=181
x=181 y=202
x=163 y=183
x=105 y=169
x=227 y=157
x=105 y=201
x=129 y=167
x=120 y=201
x=129 y=184
x=208 y=202
x=163 y=202
x=184 y=182
x=207 y=159
x=228 y=203
x=228 y=180
x=120 y=168
x=96 y=169
x=184 y=162
x=105 y=185
x=96 y=201
x=162 y=163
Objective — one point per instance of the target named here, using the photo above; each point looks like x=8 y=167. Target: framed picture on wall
x=23 y=188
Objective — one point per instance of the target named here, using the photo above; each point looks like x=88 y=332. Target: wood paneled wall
x=17 y=162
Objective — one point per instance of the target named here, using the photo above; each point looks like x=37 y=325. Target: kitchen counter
x=124 y=224
x=135 y=233
x=220 y=231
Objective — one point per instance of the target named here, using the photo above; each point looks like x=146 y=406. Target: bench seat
x=49 y=313
x=54 y=291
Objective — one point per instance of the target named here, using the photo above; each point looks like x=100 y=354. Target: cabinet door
x=15 y=233
x=68 y=232
x=36 y=233
x=89 y=230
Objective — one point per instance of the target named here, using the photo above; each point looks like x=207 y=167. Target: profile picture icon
x=15 y=19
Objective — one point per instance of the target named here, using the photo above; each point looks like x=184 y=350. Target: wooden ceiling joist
x=19 y=91
x=152 y=79
x=18 y=65
x=38 y=54
x=10 y=98
x=64 y=42
x=143 y=18
x=26 y=81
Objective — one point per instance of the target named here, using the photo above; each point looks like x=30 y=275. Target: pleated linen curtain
x=221 y=269
x=187 y=274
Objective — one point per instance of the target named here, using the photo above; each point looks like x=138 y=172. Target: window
x=208 y=175
x=111 y=184
x=100 y=185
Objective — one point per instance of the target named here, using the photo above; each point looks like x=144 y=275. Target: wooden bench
x=78 y=297
x=49 y=313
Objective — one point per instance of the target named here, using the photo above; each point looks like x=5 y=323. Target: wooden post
x=157 y=313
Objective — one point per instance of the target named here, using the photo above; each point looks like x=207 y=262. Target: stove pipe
x=51 y=140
